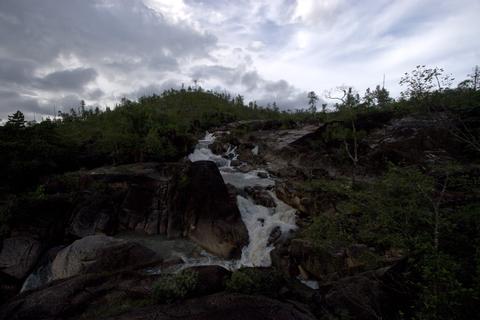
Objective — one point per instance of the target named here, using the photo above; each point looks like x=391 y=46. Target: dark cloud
x=16 y=71
x=11 y=101
x=82 y=40
x=250 y=80
x=229 y=75
x=95 y=94
x=70 y=80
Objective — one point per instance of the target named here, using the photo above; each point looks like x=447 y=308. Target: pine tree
x=16 y=120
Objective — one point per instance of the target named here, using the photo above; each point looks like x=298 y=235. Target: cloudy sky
x=55 y=52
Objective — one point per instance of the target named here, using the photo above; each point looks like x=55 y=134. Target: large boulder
x=377 y=294
x=98 y=253
x=140 y=201
x=65 y=298
x=210 y=214
x=96 y=214
x=18 y=256
x=210 y=279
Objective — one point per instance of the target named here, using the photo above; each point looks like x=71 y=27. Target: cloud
x=71 y=79
x=58 y=52
x=79 y=46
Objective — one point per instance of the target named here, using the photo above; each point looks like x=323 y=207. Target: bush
x=171 y=287
x=255 y=281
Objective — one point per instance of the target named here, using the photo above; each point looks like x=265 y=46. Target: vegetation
x=172 y=287
x=255 y=281
x=155 y=128
x=429 y=213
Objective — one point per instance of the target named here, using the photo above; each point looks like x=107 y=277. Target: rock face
x=140 y=200
x=18 y=256
x=211 y=279
x=376 y=294
x=222 y=306
x=98 y=253
x=96 y=214
x=67 y=297
x=211 y=217
x=326 y=264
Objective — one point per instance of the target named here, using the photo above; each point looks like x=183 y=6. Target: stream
x=260 y=221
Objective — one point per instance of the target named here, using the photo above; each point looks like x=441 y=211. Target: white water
x=260 y=221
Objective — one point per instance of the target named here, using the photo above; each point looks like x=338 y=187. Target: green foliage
x=398 y=212
x=255 y=281
x=171 y=287
x=155 y=128
x=16 y=120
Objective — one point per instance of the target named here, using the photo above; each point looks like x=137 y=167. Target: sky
x=54 y=53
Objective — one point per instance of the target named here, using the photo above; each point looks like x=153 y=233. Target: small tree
x=350 y=100
x=422 y=80
x=381 y=96
x=16 y=120
x=312 y=101
x=473 y=82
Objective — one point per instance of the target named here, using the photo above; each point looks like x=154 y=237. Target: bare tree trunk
x=354 y=156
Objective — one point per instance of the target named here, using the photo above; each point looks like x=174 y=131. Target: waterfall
x=260 y=221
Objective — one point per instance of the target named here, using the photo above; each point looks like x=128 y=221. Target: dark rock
x=235 y=163
x=97 y=214
x=98 y=253
x=211 y=279
x=18 y=256
x=262 y=175
x=211 y=216
x=69 y=297
x=327 y=264
x=222 y=306
x=275 y=236
x=260 y=196
x=218 y=147
x=376 y=294
x=43 y=272
x=142 y=197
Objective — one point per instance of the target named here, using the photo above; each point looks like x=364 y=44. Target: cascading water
x=260 y=221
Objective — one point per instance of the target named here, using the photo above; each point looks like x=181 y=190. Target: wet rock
x=218 y=147
x=275 y=236
x=260 y=196
x=235 y=163
x=210 y=215
x=18 y=256
x=43 y=273
x=98 y=253
x=262 y=175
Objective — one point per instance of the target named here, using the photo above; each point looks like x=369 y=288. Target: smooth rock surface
x=18 y=256
x=98 y=253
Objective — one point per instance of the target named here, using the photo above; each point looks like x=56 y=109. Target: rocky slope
x=72 y=237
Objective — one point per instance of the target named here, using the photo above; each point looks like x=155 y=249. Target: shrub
x=255 y=281
x=171 y=287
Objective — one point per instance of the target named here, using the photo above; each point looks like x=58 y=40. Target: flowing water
x=260 y=221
